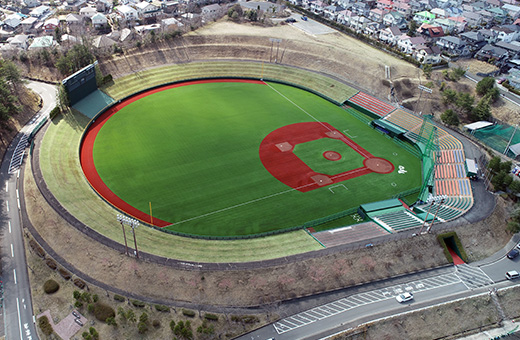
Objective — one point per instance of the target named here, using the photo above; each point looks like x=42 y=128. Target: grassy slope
x=204 y=165
x=127 y=85
x=60 y=166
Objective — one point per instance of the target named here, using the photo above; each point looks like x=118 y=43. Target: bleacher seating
x=372 y=104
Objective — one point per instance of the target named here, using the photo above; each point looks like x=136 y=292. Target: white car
x=405 y=297
x=513 y=274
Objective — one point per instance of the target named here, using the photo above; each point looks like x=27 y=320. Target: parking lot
x=471 y=277
x=310 y=26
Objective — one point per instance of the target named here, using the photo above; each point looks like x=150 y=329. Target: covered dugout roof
x=387 y=204
x=477 y=125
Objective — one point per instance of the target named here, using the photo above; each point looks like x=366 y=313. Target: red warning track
x=277 y=156
x=87 y=148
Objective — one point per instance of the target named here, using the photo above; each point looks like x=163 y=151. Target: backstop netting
x=498 y=137
x=428 y=143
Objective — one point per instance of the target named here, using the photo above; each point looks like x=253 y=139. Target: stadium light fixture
x=133 y=223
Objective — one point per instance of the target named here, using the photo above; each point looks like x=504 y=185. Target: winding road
x=18 y=317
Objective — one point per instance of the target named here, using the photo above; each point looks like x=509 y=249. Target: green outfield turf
x=193 y=152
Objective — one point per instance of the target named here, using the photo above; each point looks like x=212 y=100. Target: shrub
x=45 y=325
x=119 y=298
x=37 y=249
x=64 y=273
x=162 y=308
x=102 y=312
x=172 y=325
x=51 y=264
x=95 y=298
x=142 y=327
x=54 y=112
x=211 y=317
x=51 y=287
x=111 y=321
x=76 y=294
x=245 y=318
x=188 y=313
x=156 y=323
x=90 y=307
x=79 y=283
x=138 y=304
x=78 y=304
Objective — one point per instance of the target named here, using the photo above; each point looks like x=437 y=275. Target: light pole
x=121 y=219
x=133 y=223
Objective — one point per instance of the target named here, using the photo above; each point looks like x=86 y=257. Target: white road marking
x=14 y=274
x=18 y=201
x=9 y=224
x=7 y=205
x=17 y=194
x=19 y=318
x=12 y=251
x=6 y=186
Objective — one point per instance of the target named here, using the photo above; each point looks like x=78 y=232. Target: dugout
x=388 y=128
x=368 y=208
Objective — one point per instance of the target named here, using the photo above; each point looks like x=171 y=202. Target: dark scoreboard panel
x=81 y=84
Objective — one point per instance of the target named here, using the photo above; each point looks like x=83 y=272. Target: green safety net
x=498 y=136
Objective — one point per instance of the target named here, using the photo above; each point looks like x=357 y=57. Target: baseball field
x=236 y=157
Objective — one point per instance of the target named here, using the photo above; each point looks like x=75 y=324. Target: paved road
x=17 y=308
x=378 y=300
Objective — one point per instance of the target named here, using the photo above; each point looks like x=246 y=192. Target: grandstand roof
x=389 y=126
x=477 y=125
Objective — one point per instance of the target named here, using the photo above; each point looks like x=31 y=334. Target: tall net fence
x=429 y=145
x=498 y=137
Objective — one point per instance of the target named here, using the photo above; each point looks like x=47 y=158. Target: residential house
x=430 y=33
x=39 y=11
x=146 y=29
x=417 y=6
x=42 y=42
x=440 y=13
x=361 y=8
x=171 y=24
x=427 y=55
x=513 y=77
x=377 y=14
x=68 y=40
x=512 y=10
x=395 y=19
x=408 y=44
x=49 y=26
x=28 y=24
x=489 y=35
x=506 y=33
x=73 y=20
x=147 y=10
x=493 y=3
x=170 y=6
x=20 y=41
x=318 y=6
x=12 y=21
x=424 y=17
x=404 y=8
x=99 y=20
x=372 y=28
x=390 y=35
x=491 y=52
x=88 y=11
x=358 y=23
x=453 y=46
x=451 y=24
x=345 y=3
x=103 y=5
x=74 y=5
x=127 y=35
x=127 y=13
x=384 y=4
x=211 y=12
x=344 y=17
x=513 y=48
x=103 y=42
x=31 y=3
x=499 y=15
x=474 y=40
x=478 y=6
x=473 y=19
x=331 y=12
x=486 y=15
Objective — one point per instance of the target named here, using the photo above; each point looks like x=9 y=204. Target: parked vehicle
x=513 y=274
x=513 y=254
x=304 y=18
